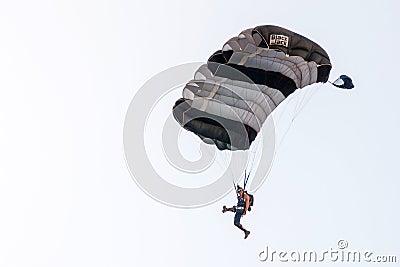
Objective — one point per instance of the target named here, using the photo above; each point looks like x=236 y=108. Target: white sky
x=68 y=71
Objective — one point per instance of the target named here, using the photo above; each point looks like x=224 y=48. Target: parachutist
x=236 y=91
x=240 y=209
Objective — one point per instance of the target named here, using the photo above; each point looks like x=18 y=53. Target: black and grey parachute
x=233 y=94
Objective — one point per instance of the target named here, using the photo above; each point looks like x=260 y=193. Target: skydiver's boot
x=246 y=234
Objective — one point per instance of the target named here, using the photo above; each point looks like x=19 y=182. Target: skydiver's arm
x=247 y=201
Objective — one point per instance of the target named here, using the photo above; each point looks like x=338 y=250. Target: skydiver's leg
x=236 y=221
x=225 y=209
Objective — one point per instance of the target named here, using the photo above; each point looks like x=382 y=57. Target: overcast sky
x=68 y=72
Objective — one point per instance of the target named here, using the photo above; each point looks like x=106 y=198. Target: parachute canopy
x=232 y=95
